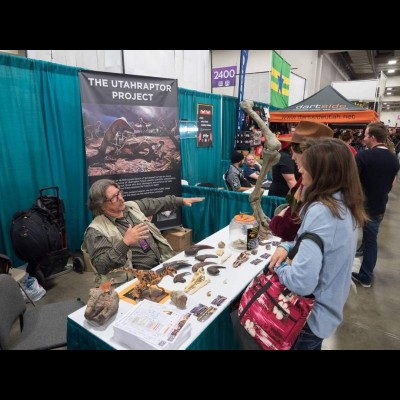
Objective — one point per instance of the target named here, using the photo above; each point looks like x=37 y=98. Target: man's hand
x=189 y=200
x=279 y=255
x=136 y=233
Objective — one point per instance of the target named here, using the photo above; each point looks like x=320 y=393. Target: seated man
x=121 y=235
x=235 y=180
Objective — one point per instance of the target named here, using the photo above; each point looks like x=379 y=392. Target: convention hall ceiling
x=367 y=64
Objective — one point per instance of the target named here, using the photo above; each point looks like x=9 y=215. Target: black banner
x=204 y=123
x=132 y=135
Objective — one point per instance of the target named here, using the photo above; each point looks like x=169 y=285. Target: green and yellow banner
x=280 y=73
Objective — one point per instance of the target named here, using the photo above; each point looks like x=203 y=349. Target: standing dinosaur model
x=271 y=156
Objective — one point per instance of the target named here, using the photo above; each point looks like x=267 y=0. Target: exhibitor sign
x=204 y=123
x=132 y=137
x=224 y=76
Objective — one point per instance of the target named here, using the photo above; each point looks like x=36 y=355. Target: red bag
x=270 y=312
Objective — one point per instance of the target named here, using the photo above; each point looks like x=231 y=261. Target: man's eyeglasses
x=114 y=198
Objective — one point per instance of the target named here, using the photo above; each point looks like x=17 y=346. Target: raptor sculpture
x=271 y=156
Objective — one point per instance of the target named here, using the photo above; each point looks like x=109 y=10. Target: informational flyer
x=204 y=123
x=153 y=326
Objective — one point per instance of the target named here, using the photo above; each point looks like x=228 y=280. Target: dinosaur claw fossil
x=203 y=257
x=193 y=250
x=180 y=277
x=214 y=269
x=178 y=264
x=201 y=264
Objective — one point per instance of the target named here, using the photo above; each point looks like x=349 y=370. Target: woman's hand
x=136 y=233
x=279 y=255
x=189 y=200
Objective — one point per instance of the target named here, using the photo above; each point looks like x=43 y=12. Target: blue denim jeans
x=307 y=340
x=370 y=244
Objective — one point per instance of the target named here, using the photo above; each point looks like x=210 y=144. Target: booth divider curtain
x=218 y=208
x=200 y=164
x=42 y=143
x=229 y=125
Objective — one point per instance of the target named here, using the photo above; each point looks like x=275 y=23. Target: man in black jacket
x=377 y=168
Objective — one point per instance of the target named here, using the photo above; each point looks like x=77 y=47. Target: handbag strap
x=306 y=235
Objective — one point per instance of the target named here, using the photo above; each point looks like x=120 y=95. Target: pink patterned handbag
x=270 y=312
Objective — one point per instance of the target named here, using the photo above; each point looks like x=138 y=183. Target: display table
x=214 y=333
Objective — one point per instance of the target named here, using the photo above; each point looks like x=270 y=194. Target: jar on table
x=243 y=232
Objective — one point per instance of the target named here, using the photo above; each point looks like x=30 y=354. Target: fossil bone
x=243 y=256
x=180 y=277
x=271 y=156
x=102 y=304
x=225 y=256
x=220 y=252
x=202 y=264
x=178 y=264
x=203 y=257
x=193 y=250
x=214 y=269
x=198 y=281
x=179 y=298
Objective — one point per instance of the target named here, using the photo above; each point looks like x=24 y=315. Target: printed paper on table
x=153 y=326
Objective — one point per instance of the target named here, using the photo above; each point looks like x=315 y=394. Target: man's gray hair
x=97 y=195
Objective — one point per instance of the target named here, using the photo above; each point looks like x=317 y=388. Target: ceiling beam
x=371 y=57
x=332 y=51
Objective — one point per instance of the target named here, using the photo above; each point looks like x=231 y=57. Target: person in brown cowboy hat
x=286 y=223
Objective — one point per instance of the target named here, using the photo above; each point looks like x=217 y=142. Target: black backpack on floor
x=34 y=234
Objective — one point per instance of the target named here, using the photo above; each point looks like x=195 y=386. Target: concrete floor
x=371 y=316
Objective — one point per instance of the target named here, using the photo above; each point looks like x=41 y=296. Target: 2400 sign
x=224 y=76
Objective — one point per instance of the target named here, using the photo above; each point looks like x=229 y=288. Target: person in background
x=284 y=173
x=121 y=234
x=286 y=223
x=347 y=137
x=234 y=177
x=251 y=169
x=377 y=167
x=333 y=209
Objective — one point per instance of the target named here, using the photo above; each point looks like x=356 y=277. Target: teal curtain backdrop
x=229 y=123
x=42 y=143
x=200 y=164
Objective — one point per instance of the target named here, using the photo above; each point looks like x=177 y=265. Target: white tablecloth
x=229 y=283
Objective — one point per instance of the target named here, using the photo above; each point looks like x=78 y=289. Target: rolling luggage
x=39 y=237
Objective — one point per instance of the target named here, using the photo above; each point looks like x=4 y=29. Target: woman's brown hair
x=333 y=169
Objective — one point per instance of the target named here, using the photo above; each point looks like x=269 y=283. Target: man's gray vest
x=102 y=224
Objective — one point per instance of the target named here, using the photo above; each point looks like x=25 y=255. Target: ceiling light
x=389 y=88
x=390 y=71
x=384 y=103
x=391 y=62
x=389 y=93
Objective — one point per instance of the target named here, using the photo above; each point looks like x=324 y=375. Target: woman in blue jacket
x=333 y=209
